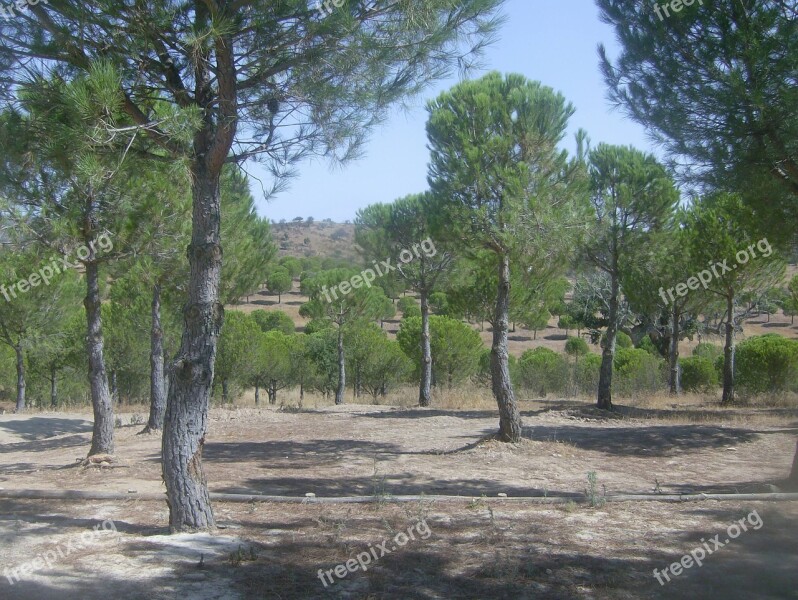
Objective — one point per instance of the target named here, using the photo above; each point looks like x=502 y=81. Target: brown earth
x=478 y=547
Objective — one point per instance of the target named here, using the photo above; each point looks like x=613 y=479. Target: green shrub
x=636 y=371
x=576 y=346
x=586 y=372
x=647 y=345
x=621 y=340
x=408 y=307
x=274 y=320
x=698 y=374
x=767 y=363
x=543 y=371
x=708 y=351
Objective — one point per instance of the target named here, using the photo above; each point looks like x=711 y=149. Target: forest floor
x=477 y=547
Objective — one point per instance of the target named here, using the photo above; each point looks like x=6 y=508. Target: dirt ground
x=477 y=547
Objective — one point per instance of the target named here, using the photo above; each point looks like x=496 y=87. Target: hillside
x=316 y=238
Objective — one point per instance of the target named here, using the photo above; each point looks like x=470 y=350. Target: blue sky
x=552 y=41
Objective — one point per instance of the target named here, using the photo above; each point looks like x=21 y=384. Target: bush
x=586 y=372
x=274 y=320
x=647 y=345
x=767 y=363
x=636 y=371
x=409 y=307
x=543 y=371
x=708 y=351
x=576 y=346
x=456 y=348
x=698 y=374
x=621 y=340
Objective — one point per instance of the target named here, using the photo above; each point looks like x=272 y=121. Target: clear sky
x=552 y=41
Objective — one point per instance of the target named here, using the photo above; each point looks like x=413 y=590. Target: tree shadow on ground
x=386 y=485
x=470 y=558
x=642 y=441
x=318 y=451
x=40 y=428
x=70 y=441
x=54 y=523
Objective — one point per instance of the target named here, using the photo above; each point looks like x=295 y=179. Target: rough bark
x=102 y=438
x=509 y=416
x=674 y=384
x=339 y=391
x=728 y=353
x=20 y=354
x=157 y=378
x=794 y=473
x=257 y=394
x=424 y=388
x=604 y=400
x=191 y=376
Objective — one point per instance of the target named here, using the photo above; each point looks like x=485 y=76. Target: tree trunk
x=674 y=385
x=20 y=353
x=339 y=392
x=424 y=392
x=102 y=438
x=604 y=400
x=728 y=353
x=794 y=473
x=272 y=392
x=157 y=379
x=509 y=416
x=191 y=376
x=224 y=391
x=114 y=388
x=257 y=394
x=53 y=388
x=357 y=381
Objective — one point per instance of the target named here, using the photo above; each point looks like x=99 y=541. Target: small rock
x=502 y=495
x=310 y=495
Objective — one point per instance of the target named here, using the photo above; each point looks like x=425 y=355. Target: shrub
x=274 y=320
x=586 y=372
x=698 y=374
x=456 y=348
x=543 y=371
x=636 y=371
x=767 y=363
x=408 y=307
x=649 y=346
x=622 y=340
x=708 y=351
x=576 y=346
